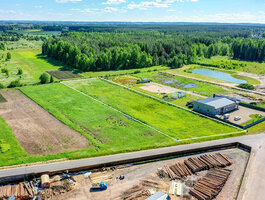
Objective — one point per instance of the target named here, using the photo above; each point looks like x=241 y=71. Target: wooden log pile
x=192 y=165
x=211 y=184
x=21 y=191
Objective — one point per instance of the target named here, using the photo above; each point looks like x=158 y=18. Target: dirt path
x=159 y=88
x=38 y=131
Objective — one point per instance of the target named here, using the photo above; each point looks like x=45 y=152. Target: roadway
x=253 y=183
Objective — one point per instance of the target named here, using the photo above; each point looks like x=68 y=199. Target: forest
x=95 y=51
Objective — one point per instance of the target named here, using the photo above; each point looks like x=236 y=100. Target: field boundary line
x=142 y=93
x=124 y=114
x=178 y=140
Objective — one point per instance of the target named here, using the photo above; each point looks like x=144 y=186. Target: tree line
x=94 y=51
x=249 y=49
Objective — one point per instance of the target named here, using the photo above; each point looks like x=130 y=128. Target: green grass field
x=173 y=121
x=105 y=128
x=10 y=149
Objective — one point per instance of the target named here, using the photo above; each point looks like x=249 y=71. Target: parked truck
x=99 y=186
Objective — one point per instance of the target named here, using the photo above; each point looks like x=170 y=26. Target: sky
x=223 y=11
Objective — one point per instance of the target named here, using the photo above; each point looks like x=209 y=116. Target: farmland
x=168 y=119
x=106 y=129
x=31 y=63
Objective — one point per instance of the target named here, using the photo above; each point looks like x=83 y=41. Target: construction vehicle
x=99 y=186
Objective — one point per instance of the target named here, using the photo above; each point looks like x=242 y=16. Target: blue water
x=219 y=75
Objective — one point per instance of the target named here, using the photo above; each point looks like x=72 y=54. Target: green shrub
x=1 y=86
x=15 y=83
x=8 y=56
x=44 y=78
x=4 y=148
x=247 y=86
x=20 y=71
x=51 y=79
x=4 y=70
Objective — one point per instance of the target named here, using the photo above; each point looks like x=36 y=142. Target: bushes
x=1 y=86
x=4 y=70
x=20 y=71
x=44 y=78
x=247 y=86
x=15 y=83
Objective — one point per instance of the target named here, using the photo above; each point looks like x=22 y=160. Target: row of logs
x=211 y=184
x=189 y=166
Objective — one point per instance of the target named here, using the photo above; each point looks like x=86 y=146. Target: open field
x=238 y=65
x=9 y=146
x=123 y=72
x=171 y=120
x=63 y=74
x=32 y=65
x=37 y=131
x=107 y=130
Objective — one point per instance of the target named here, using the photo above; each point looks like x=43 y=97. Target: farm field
x=31 y=63
x=123 y=72
x=63 y=74
x=107 y=130
x=37 y=131
x=9 y=146
x=168 y=119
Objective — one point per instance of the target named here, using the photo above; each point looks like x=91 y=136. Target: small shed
x=145 y=80
x=158 y=196
x=45 y=181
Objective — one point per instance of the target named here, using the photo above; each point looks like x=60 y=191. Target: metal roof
x=217 y=102
x=157 y=196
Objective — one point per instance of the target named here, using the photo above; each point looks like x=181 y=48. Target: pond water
x=219 y=75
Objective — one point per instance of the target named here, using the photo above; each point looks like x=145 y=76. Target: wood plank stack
x=211 y=184
x=21 y=191
x=192 y=165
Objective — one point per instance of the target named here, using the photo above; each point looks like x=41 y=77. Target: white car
x=237 y=118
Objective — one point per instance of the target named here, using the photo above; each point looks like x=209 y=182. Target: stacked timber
x=192 y=165
x=21 y=191
x=210 y=185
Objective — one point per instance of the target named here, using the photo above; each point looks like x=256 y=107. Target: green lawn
x=122 y=72
x=202 y=88
x=10 y=149
x=32 y=64
x=107 y=129
x=254 y=118
x=173 y=121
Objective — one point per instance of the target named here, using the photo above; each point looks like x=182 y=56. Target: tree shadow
x=61 y=65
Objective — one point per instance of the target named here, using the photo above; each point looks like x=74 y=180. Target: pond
x=218 y=75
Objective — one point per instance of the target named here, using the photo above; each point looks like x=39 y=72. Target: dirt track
x=38 y=131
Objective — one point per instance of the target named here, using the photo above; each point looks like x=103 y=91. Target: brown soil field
x=37 y=130
x=63 y=74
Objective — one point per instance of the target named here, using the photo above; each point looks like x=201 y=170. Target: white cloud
x=108 y=2
x=75 y=9
x=38 y=6
x=171 y=10
x=7 y=11
x=109 y=9
x=147 y=4
x=66 y=1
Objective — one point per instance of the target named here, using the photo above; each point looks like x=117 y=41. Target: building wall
x=209 y=110
x=204 y=108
